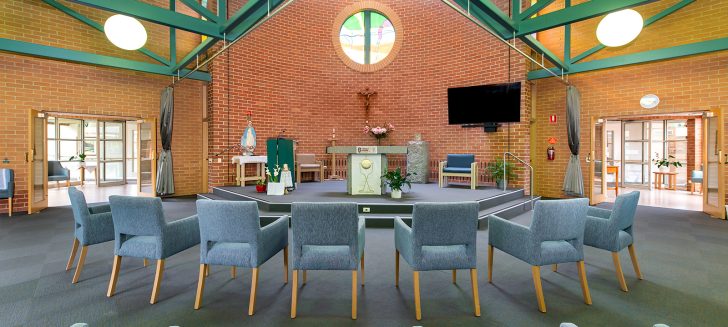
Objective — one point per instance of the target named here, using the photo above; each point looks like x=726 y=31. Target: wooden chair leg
x=554 y=267
x=454 y=276
x=74 y=249
x=490 y=263
x=353 y=294
x=157 y=281
x=536 y=271
x=207 y=270
x=114 y=276
x=146 y=262
x=253 y=289
x=233 y=272
x=584 y=284
x=618 y=271
x=305 y=277
x=79 y=266
x=321 y=174
x=362 y=269
x=285 y=265
x=396 y=268
x=474 y=285
x=10 y=208
x=294 y=294
x=200 y=287
x=418 y=311
x=635 y=264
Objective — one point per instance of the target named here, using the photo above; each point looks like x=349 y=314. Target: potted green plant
x=501 y=170
x=260 y=185
x=81 y=159
x=396 y=180
x=664 y=164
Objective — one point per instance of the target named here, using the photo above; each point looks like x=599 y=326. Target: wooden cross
x=367 y=93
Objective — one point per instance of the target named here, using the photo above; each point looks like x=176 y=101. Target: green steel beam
x=567 y=37
x=642 y=57
x=253 y=18
x=156 y=15
x=568 y=15
x=222 y=10
x=534 y=9
x=494 y=12
x=98 y=27
x=242 y=14
x=515 y=10
x=198 y=8
x=44 y=51
x=172 y=38
x=367 y=36
x=548 y=55
x=648 y=22
x=200 y=48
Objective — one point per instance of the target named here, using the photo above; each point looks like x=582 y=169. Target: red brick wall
x=288 y=74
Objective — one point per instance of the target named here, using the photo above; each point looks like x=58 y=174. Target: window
x=367 y=36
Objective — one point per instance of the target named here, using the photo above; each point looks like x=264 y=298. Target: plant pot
x=260 y=188
x=276 y=188
x=82 y=164
x=499 y=184
x=664 y=169
x=396 y=194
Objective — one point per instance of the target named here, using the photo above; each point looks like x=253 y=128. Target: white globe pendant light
x=125 y=32
x=619 y=28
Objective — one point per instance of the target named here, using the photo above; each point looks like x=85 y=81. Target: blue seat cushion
x=57 y=178
x=460 y=160
x=558 y=252
x=445 y=257
x=139 y=247
x=327 y=257
x=229 y=254
x=458 y=170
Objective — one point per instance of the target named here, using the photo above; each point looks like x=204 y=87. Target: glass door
x=597 y=162
x=111 y=153
x=37 y=159
x=636 y=153
x=147 y=157
x=714 y=164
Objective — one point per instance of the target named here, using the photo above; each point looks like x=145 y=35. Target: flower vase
x=664 y=169
x=260 y=188
x=396 y=194
x=276 y=188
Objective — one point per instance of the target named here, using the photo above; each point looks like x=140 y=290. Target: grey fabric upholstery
x=91 y=225
x=460 y=161
x=611 y=230
x=696 y=176
x=442 y=236
x=7 y=183
x=556 y=234
x=458 y=170
x=326 y=236
x=141 y=231
x=230 y=234
x=56 y=172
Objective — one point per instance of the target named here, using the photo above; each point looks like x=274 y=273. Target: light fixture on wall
x=649 y=101
x=619 y=28
x=125 y=32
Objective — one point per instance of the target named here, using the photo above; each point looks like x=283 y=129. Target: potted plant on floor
x=500 y=170
x=275 y=186
x=396 y=180
x=664 y=164
x=260 y=185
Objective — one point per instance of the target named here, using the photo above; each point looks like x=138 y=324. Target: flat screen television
x=495 y=103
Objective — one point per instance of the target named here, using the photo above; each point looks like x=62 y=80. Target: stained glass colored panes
x=367 y=37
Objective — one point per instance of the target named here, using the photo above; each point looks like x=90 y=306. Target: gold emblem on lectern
x=366 y=171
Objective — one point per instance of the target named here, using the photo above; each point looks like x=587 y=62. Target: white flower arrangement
x=275 y=176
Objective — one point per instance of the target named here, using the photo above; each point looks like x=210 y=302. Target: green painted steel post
x=367 y=36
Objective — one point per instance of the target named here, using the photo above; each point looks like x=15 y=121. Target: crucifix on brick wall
x=366 y=93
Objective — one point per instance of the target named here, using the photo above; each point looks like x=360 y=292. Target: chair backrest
x=137 y=215
x=696 y=175
x=559 y=220
x=625 y=206
x=324 y=223
x=460 y=160
x=228 y=221
x=305 y=158
x=7 y=180
x=78 y=205
x=55 y=168
x=444 y=223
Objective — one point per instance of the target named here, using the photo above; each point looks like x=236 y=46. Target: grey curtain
x=573 y=182
x=165 y=178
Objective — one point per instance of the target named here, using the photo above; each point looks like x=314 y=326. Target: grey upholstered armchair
x=92 y=225
x=611 y=230
x=327 y=236
x=141 y=232
x=57 y=173
x=230 y=235
x=556 y=235
x=7 y=187
x=442 y=237
x=459 y=165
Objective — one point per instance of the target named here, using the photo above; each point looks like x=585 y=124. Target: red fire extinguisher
x=551 y=151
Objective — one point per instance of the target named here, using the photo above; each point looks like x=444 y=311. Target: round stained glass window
x=367 y=37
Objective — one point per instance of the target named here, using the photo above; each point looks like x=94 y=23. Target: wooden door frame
x=30 y=159
x=597 y=198
x=153 y=150
x=719 y=210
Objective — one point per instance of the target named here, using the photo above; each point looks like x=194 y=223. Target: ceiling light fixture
x=125 y=32
x=619 y=28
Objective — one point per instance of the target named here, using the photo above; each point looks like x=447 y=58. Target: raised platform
x=507 y=204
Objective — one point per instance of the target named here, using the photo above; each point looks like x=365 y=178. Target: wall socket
x=366 y=209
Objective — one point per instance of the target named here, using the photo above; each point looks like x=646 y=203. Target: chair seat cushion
x=310 y=166
x=229 y=254
x=458 y=170
x=57 y=178
x=445 y=257
x=140 y=247
x=558 y=252
x=326 y=257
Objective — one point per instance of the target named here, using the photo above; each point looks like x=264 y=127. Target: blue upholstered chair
x=696 y=177
x=611 y=230
x=7 y=187
x=230 y=235
x=326 y=236
x=459 y=165
x=57 y=173
x=442 y=237
x=556 y=235
x=92 y=225
x=141 y=232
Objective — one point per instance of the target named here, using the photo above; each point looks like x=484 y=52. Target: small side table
x=614 y=170
x=241 y=161
x=671 y=180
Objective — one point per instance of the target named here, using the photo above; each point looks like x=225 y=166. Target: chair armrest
x=512 y=238
x=274 y=238
x=361 y=236
x=597 y=232
x=99 y=209
x=403 y=240
x=599 y=212
x=180 y=235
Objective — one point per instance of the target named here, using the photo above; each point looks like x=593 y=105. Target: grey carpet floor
x=682 y=255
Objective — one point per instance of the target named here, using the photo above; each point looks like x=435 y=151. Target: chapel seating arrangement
x=92 y=225
x=442 y=237
x=459 y=165
x=57 y=173
x=142 y=232
x=306 y=163
x=556 y=235
x=7 y=187
x=611 y=230
x=230 y=235
x=326 y=236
